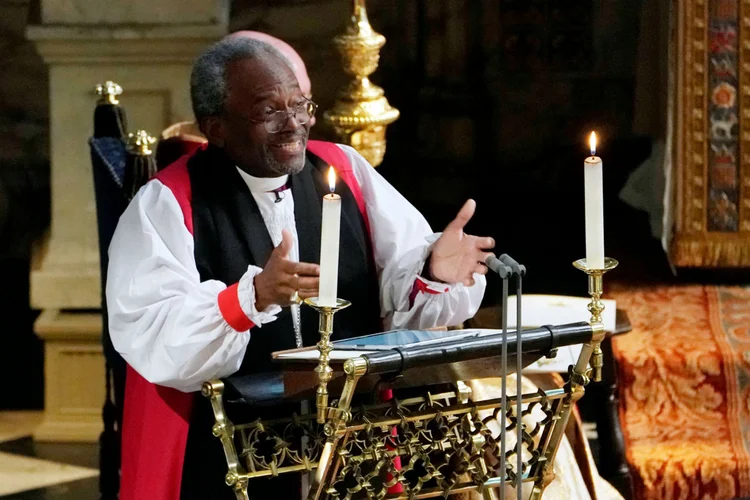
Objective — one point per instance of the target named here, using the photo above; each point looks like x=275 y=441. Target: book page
x=313 y=354
x=539 y=310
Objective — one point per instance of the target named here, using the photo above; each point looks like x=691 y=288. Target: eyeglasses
x=276 y=121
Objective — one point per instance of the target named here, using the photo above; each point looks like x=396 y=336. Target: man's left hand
x=456 y=256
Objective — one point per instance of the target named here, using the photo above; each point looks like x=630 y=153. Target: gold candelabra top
x=360 y=29
x=140 y=143
x=361 y=112
x=108 y=92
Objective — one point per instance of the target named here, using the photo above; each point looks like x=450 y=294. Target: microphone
x=502 y=269
x=518 y=269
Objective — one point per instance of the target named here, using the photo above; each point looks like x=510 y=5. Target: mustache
x=287 y=139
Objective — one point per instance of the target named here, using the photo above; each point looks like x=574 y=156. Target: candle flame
x=592 y=143
x=331 y=179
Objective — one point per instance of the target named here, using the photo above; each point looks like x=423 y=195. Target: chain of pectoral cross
x=297 y=324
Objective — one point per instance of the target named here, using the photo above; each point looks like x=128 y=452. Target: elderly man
x=184 y=137
x=209 y=258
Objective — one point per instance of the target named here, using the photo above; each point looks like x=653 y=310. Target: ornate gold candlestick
x=324 y=371
x=596 y=307
x=361 y=113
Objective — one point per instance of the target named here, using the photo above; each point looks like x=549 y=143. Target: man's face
x=257 y=88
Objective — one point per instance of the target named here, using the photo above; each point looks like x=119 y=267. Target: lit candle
x=329 y=244
x=592 y=176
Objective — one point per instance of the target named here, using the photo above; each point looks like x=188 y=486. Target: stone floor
x=31 y=470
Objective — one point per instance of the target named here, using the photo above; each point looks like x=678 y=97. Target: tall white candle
x=592 y=176
x=329 y=245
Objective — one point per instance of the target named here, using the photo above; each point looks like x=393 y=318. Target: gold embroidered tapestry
x=712 y=134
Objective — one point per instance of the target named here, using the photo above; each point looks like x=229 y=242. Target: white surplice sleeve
x=402 y=240
x=165 y=322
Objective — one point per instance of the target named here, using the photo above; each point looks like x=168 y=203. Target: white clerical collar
x=263 y=184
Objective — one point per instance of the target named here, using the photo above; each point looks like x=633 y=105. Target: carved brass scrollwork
x=446 y=446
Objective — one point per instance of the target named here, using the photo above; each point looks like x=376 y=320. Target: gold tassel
x=712 y=251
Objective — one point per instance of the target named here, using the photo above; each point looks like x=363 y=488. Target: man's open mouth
x=291 y=147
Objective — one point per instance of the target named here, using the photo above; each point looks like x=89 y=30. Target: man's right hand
x=281 y=277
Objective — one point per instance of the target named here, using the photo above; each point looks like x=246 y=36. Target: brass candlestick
x=596 y=307
x=324 y=371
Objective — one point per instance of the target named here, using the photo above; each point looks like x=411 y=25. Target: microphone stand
x=518 y=271
x=504 y=272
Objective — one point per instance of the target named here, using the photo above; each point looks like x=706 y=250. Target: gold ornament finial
x=108 y=92
x=361 y=113
x=140 y=142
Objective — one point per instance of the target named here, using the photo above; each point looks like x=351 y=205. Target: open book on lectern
x=538 y=310
x=368 y=344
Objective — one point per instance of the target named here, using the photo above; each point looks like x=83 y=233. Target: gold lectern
x=434 y=442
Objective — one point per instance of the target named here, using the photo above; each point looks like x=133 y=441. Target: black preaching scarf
x=230 y=234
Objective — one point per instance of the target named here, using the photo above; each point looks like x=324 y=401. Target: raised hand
x=456 y=256
x=282 y=277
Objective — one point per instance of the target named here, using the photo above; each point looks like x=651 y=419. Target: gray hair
x=208 y=81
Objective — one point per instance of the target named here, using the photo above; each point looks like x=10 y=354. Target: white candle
x=329 y=245
x=592 y=176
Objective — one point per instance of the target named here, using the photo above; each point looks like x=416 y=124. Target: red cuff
x=231 y=310
x=421 y=286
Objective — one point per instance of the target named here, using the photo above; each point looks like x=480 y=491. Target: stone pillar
x=148 y=48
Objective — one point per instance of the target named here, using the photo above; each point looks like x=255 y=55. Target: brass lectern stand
x=433 y=443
